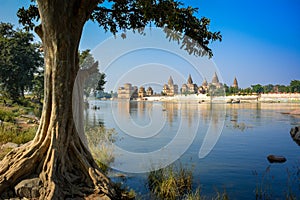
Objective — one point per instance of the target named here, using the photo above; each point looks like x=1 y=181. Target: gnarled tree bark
x=57 y=154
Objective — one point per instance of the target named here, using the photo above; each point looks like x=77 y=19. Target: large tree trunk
x=57 y=154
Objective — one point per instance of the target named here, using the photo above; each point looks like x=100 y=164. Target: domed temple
x=170 y=89
x=235 y=83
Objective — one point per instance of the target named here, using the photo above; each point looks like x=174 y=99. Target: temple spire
x=190 y=81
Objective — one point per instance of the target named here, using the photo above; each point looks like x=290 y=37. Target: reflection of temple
x=170 y=89
x=127 y=91
x=172 y=110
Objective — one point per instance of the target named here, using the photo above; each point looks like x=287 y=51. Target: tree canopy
x=20 y=60
x=96 y=81
x=115 y=16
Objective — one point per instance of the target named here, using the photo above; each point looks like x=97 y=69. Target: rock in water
x=276 y=159
x=295 y=134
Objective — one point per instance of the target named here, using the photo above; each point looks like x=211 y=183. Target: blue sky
x=261 y=42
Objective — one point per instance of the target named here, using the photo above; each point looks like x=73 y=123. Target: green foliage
x=257 y=88
x=101 y=82
x=268 y=88
x=198 y=196
x=11 y=133
x=19 y=60
x=38 y=85
x=115 y=16
x=172 y=182
x=295 y=86
x=7 y=116
x=96 y=81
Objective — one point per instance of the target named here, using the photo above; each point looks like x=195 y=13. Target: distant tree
x=268 y=88
x=57 y=155
x=282 y=88
x=95 y=82
x=295 y=86
x=247 y=90
x=233 y=90
x=101 y=82
x=38 y=84
x=257 y=88
x=19 y=60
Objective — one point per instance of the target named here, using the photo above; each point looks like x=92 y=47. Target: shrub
x=172 y=182
x=99 y=140
x=7 y=116
x=16 y=134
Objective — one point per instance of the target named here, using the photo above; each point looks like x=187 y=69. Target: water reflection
x=197 y=126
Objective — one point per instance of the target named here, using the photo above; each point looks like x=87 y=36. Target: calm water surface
x=249 y=132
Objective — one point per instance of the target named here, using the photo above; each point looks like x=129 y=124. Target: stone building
x=149 y=91
x=203 y=88
x=189 y=87
x=127 y=91
x=235 y=83
x=142 y=92
x=215 y=81
x=170 y=89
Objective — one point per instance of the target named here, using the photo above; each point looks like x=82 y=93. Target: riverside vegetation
x=18 y=123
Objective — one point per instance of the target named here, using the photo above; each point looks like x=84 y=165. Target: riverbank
x=202 y=98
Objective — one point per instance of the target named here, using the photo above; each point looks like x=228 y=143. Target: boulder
x=276 y=159
x=28 y=188
x=10 y=145
x=295 y=134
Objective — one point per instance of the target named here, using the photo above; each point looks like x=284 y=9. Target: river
x=225 y=145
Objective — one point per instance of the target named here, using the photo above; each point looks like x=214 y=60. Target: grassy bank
x=18 y=123
x=175 y=182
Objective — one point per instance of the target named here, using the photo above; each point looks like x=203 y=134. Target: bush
x=99 y=140
x=16 y=135
x=173 y=182
x=7 y=116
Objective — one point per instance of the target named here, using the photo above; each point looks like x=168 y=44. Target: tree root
x=70 y=175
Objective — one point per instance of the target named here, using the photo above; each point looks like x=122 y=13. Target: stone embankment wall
x=271 y=97
x=280 y=97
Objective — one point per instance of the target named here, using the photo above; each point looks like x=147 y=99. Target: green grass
x=7 y=115
x=170 y=183
x=99 y=141
x=11 y=133
x=196 y=195
x=175 y=183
